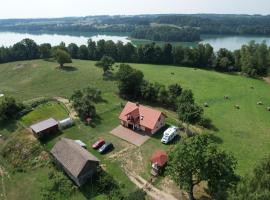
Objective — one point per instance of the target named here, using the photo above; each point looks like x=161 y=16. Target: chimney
x=137 y=104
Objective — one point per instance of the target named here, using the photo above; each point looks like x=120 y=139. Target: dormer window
x=142 y=117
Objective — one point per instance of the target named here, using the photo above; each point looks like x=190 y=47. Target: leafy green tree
x=83 y=101
x=62 y=57
x=129 y=81
x=195 y=160
x=83 y=52
x=188 y=111
x=92 y=49
x=9 y=108
x=25 y=50
x=255 y=185
x=45 y=50
x=106 y=63
x=73 y=50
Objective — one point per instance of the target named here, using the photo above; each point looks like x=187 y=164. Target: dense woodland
x=252 y=59
x=205 y=23
x=166 y=33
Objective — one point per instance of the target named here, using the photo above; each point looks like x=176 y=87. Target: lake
x=229 y=42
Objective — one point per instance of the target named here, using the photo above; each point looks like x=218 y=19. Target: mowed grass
x=244 y=132
x=45 y=111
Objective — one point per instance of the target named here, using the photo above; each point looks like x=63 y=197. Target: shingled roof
x=72 y=156
x=145 y=116
x=44 y=125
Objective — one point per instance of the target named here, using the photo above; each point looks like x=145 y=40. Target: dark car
x=98 y=144
x=105 y=148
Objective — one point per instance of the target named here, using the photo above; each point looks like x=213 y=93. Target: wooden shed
x=77 y=162
x=158 y=160
x=44 y=127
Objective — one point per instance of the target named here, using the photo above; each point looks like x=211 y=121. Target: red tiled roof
x=142 y=115
x=160 y=157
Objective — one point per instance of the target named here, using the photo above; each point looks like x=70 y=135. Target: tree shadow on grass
x=96 y=121
x=68 y=68
x=9 y=126
x=208 y=124
x=109 y=76
x=216 y=139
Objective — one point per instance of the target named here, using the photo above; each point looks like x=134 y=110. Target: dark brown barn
x=77 y=162
x=44 y=127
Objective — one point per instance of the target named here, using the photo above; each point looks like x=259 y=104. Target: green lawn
x=243 y=132
x=45 y=111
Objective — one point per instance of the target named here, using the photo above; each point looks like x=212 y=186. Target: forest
x=167 y=34
x=205 y=23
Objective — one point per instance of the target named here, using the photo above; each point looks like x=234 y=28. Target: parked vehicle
x=169 y=135
x=98 y=144
x=105 y=148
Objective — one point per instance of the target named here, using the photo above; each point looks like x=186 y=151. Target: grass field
x=244 y=132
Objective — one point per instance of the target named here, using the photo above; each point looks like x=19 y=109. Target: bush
x=9 y=108
x=24 y=154
x=60 y=186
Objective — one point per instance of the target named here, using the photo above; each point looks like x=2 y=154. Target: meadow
x=244 y=132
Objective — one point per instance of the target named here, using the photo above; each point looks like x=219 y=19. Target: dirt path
x=267 y=79
x=3 y=194
x=66 y=102
x=132 y=169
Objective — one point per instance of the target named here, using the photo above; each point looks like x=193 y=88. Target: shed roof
x=72 y=156
x=160 y=157
x=147 y=117
x=43 y=125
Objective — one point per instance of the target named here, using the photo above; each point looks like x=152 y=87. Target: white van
x=169 y=134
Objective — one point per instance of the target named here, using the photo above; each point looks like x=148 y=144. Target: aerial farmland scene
x=135 y=100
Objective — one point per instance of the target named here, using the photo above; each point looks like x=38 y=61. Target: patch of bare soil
x=72 y=113
x=169 y=186
x=131 y=160
x=267 y=79
x=35 y=65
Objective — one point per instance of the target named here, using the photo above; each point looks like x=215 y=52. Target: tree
x=188 y=111
x=83 y=101
x=83 y=52
x=73 y=50
x=45 y=50
x=9 y=108
x=106 y=63
x=129 y=81
x=255 y=185
x=195 y=160
x=62 y=57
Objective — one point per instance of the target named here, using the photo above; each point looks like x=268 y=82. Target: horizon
x=80 y=16
x=33 y=9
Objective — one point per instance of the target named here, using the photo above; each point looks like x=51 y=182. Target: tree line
x=206 y=23
x=252 y=59
x=166 y=34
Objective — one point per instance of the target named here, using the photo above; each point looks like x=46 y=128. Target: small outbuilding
x=158 y=160
x=77 y=162
x=66 y=123
x=44 y=127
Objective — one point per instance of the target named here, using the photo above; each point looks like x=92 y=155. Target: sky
x=62 y=8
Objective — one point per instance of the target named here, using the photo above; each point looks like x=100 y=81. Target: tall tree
x=188 y=111
x=73 y=50
x=62 y=57
x=129 y=81
x=255 y=185
x=45 y=50
x=106 y=63
x=196 y=159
